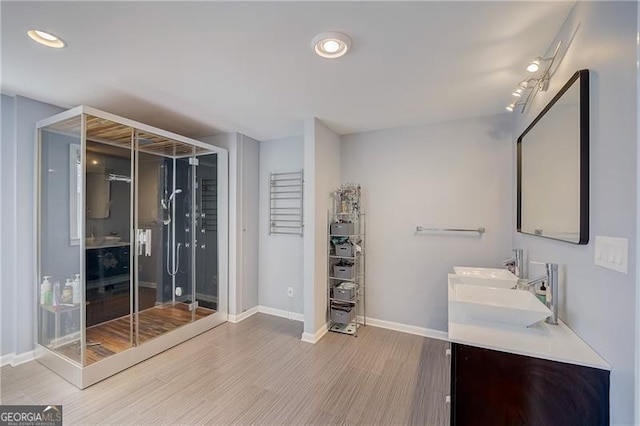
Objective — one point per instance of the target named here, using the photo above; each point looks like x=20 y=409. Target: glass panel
x=108 y=239
x=164 y=208
x=60 y=291
x=206 y=224
x=155 y=217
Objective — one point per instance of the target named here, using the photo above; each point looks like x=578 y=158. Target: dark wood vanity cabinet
x=498 y=388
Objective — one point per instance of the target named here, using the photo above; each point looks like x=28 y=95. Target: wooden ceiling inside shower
x=116 y=134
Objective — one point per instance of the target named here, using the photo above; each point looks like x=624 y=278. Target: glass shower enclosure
x=132 y=242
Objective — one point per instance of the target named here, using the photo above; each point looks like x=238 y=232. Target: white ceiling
x=199 y=68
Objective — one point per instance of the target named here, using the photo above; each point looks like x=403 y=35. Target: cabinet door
x=497 y=388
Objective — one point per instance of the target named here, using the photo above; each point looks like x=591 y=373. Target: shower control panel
x=144 y=242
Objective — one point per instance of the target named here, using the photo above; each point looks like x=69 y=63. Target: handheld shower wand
x=166 y=205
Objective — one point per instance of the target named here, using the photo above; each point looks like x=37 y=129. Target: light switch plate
x=612 y=253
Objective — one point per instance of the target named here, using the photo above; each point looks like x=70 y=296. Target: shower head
x=173 y=194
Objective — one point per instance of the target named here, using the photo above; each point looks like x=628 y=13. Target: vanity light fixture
x=331 y=45
x=534 y=66
x=539 y=82
x=47 y=39
x=512 y=105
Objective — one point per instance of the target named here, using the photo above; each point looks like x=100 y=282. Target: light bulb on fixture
x=535 y=83
x=47 y=39
x=534 y=66
x=331 y=45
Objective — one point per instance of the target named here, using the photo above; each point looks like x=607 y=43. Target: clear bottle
x=77 y=290
x=45 y=291
x=55 y=300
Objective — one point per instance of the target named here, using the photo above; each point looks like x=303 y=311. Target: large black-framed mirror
x=553 y=167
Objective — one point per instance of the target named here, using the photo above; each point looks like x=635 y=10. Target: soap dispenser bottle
x=77 y=290
x=67 y=293
x=45 y=291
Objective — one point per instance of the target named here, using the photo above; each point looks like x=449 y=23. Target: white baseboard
x=410 y=329
x=6 y=359
x=234 y=319
x=22 y=358
x=15 y=360
x=294 y=316
x=314 y=338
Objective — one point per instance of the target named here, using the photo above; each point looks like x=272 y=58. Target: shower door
x=149 y=252
x=176 y=263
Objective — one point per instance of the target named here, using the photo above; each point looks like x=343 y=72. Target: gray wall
x=19 y=282
x=250 y=222
x=598 y=303
x=321 y=178
x=7 y=232
x=443 y=175
x=280 y=255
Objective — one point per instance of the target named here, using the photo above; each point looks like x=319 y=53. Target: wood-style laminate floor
x=258 y=372
x=114 y=336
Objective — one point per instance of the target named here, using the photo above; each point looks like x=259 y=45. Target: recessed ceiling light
x=47 y=39
x=331 y=45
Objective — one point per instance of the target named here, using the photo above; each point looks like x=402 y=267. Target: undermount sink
x=487 y=277
x=476 y=304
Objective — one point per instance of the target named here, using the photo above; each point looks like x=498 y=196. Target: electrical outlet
x=289 y=291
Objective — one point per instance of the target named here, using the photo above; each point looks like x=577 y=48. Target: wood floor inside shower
x=111 y=337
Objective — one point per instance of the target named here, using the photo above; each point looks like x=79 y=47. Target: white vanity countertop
x=546 y=341
x=540 y=340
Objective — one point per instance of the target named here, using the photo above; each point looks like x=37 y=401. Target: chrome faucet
x=550 y=278
x=515 y=264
